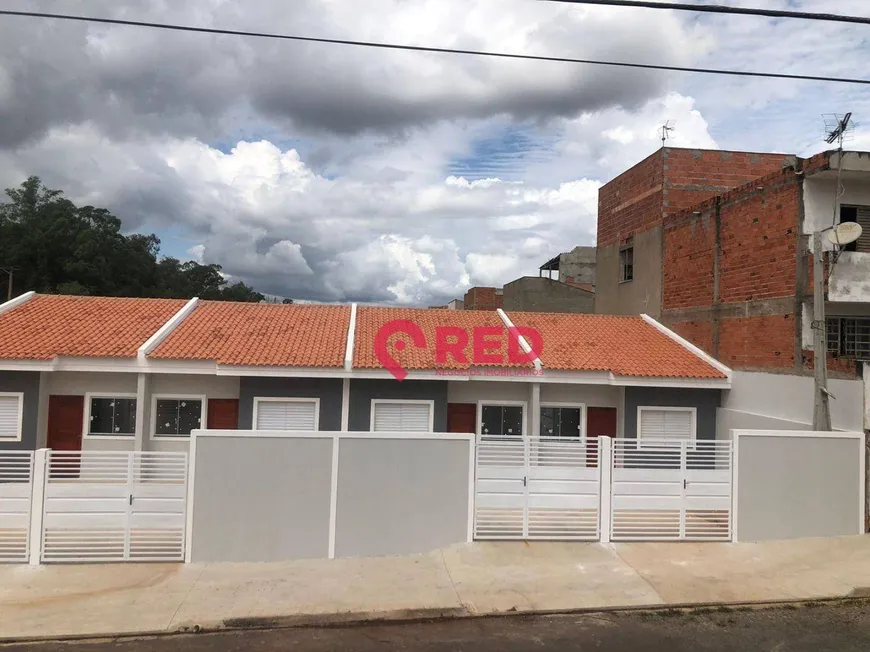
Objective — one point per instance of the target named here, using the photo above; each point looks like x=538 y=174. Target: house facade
x=86 y=373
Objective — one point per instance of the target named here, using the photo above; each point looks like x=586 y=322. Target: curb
x=411 y=616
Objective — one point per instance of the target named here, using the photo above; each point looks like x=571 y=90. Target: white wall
x=472 y=391
x=591 y=395
x=819 y=199
x=790 y=399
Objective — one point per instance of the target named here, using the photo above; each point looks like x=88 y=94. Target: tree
x=56 y=246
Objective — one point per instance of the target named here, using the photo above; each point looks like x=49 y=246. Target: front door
x=65 y=422
x=223 y=414
x=461 y=417
x=601 y=422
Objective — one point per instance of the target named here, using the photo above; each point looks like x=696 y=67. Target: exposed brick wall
x=692 y=176
x=688 y=259
x=481 y=298
x=757 y=342
x=759 y=243
x=699 y=333
x=631 y=202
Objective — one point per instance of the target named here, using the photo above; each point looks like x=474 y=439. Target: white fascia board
x=351 y=339
x=284 y=372
x=524 y=345
x=166 y=330
x=17 y=301
x=709 y=359
x=688 y=383
x=26 y=365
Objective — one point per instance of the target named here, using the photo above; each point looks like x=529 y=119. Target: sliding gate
x=671 y=490
x=16 y=491
x=537 y=488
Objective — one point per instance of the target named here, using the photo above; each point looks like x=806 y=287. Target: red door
x=66 y=416
x=223 y=414
x=600 y=422
x=461 y=417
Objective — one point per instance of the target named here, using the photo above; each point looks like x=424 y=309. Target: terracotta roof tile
x=625 y=346
x=260 y=334
x=47 y=326
x=371 y=319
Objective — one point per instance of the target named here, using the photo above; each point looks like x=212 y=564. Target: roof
x=260 y=334
x=370 y=320
x=47 y=326
x=624 y=346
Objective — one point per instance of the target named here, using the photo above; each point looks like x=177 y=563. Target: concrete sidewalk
x=473 y=579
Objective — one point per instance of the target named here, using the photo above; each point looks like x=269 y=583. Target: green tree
x=56 y=246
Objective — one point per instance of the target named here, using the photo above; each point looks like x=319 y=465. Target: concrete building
x=575 y=267
x=542 y=294
x=718 y=246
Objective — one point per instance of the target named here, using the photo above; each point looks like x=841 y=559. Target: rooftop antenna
x=666 y=131
x=838 y=129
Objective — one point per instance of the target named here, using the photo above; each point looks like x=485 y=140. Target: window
x=861 y=215
x=286 y=414
x=560 y=421
x=402 y=416
x=111 y=416
x=677 y=424
x=626 y=264
x=177 y=417
x=502 y=420
x=11 y=408
x=849 y=338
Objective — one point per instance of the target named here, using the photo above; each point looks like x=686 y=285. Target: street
x=811 y=627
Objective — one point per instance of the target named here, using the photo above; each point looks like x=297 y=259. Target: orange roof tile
x=625 y=346
x=47 y=326
x=260 y=334
x=370 y=320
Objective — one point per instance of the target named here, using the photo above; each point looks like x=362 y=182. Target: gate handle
x=524 y=481
x=131 y=499
x=685 y=485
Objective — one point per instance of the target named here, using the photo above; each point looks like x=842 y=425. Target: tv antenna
x=667 y=129
x=838 y=129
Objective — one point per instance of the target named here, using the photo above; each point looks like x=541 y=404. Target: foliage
x=54 y=246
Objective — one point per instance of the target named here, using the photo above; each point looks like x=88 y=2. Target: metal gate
x=670 y=490
x=537 y=488
x=114 y=506
x=16 y=496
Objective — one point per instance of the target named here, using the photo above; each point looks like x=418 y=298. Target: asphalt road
x=829 y=627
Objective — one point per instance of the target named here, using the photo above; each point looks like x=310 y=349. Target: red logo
x=451 y=341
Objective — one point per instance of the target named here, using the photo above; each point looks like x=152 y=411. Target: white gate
x=16 y=491
x=670 y=490
x=114 y=506
x=537 y=488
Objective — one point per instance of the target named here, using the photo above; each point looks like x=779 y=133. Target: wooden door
x=461 y=417
x=223 y=414
x=66 y=416
x=600 y=422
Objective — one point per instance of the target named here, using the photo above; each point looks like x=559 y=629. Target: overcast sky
x=333 y=173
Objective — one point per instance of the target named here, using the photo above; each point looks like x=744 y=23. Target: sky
x=333 y=173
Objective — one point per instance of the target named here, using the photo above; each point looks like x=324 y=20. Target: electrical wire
x=722 y=9
x=438 y=50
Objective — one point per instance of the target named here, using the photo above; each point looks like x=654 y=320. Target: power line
x=420 y=48
x=721 y=9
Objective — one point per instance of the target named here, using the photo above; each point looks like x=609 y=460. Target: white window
x=402 y=416
x=176 y=416
x=11 y=410
x=666 y=423
x=110 y=416
x=286 y=413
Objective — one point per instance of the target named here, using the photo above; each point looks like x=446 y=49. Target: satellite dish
x=845 y=233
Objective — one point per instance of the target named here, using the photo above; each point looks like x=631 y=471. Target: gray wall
x=328 y=390
x=28 y=383
x=400 y=496
x=363 y=391
x=790 y=487
x=541 y=294
x=259 y=499
x=579 y=264
x=641 y=295
x=705 y=400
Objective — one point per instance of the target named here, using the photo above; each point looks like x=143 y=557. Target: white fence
x=16 y=490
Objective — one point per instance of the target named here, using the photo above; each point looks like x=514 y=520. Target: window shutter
x=666 y=424
x=864 y=220
x=9 y=413
x=401 y=417
x=286 y=415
